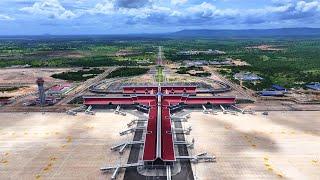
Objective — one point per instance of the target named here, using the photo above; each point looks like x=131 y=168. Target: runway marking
x=3 y=160
x=270 y=168
x=315 y=162
x=69 y=139
x=250 y=141
x=48 y=167
x=38 y=176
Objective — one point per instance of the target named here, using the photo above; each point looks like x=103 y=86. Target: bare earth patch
x=266 y=47
x=27 y=77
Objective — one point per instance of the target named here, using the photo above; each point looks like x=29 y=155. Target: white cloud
x=157 y=12
x=307 y=6
x=103 y=8
x=110 y=8
x=49 y=8
x=5 y=18
x=176 y=2
x=132 y=3
x=204 y=9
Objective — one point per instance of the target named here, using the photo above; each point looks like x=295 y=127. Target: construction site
x=146 y=127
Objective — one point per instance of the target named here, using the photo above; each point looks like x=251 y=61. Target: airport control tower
x=42 y=95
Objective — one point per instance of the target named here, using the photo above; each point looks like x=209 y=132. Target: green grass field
x=127 y=72
x=297 y=64
x=160 y=76
x=80 y=75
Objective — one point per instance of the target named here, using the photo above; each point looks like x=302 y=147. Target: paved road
x=159 y=59
x=244 y=93
x=78 y=91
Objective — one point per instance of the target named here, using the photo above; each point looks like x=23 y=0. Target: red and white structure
x=159 y=140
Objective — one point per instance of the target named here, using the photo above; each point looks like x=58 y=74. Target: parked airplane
x=89 y=111
x=205 y=111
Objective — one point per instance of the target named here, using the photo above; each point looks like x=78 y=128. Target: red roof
x=179 y=89
x=107 y=100
x=166 y=134
x=150 y=144
x=164 y=89
x=60 y=87
x=211 y=100
x=149 y=152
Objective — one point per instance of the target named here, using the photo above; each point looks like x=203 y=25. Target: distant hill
x=284 y=32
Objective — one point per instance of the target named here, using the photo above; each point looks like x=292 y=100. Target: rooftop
x=314 y=86
x=247 y=76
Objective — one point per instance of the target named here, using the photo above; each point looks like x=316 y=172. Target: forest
x=293 y=62
x=128 y=71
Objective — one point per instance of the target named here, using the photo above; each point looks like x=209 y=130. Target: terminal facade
x=159 y=140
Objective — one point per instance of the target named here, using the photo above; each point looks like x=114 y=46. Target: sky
x=36 y=17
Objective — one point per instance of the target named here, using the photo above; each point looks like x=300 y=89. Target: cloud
x=143 y=11
x=177 y=2
x=205 y=13
x=5 y=18
x=50 y=8
x=131 y=3
x=155 y=13
x=172 y=14
x=308 y=6
x=103 y=8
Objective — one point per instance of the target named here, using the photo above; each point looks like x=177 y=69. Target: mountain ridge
x=285 y=32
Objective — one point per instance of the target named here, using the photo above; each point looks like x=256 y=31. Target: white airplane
x=233 y=112
x=89 y=112
x=123 y=113
x=205 y=111
x=70 y=112
x=214 y=112
x=117 y=111
x=188 y=116
x=223 y=110
x=238 y=109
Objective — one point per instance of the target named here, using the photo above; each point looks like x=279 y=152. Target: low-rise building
x=271 y=93
x=247 y=76
x=59 y=90
x=221 y=63
x=208 y=52
x=4 y=100
x=196 y=63
x=278 y=88
x=314 y=86
x=127 y=53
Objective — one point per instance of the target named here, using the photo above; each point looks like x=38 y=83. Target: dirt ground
x=20 y=91
x=281 y=145
x=146 y=78
x=266 y=47
x=26 y=78
x=59 y=146
x=28 y=75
